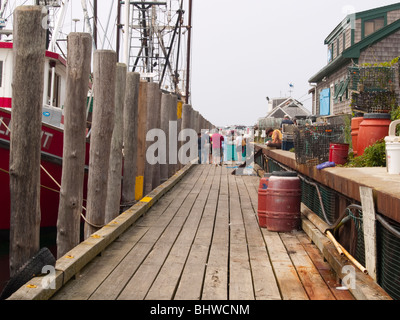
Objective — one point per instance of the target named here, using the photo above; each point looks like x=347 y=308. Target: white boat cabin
x=54 y=84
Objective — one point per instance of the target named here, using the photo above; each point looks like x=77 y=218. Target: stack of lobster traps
x=312 y=142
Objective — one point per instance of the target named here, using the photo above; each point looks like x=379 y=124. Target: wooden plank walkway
x=201 y=241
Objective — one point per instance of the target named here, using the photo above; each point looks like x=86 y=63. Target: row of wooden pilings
x=133 y=122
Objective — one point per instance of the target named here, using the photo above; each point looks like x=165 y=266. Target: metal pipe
x=387 y=226
x=171 y=44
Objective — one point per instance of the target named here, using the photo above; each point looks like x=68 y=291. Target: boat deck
x=202 y=241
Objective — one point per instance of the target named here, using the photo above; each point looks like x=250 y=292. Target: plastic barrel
x=283 y=202
x=374 y=127
x=262 y=200
x=355 y=127
x=338 y=153
x=393 y=149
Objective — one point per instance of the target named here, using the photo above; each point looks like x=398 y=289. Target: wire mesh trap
x=311 y=143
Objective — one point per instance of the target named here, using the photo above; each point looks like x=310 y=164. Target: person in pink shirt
x=216 y=140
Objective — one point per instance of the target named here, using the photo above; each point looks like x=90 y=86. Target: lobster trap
x=374 y=102
x=372 y=79
x=311 y=143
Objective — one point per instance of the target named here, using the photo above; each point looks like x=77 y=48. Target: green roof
x=361 y=15
x=355 y=50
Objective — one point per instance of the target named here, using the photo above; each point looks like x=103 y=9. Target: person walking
x=199 y=146
x=239 y=146
x=217 y=140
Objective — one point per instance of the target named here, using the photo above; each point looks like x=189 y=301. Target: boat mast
x=126 y=32
x=60 y=21
x=86 y=18
x=118 y=39
x=188 y=52
x=95 y=22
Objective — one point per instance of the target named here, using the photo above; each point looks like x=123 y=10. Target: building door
x=325 y=102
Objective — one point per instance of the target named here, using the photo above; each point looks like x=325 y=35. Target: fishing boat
x=156 y=44
x=52 y=128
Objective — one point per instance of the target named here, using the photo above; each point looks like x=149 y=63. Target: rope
x=56 y=182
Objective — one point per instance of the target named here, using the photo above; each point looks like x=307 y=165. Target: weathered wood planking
x=240 y=281
x=264 y=281
x=311 y=279
x=288 y=280
x=324 y=268
x=202 y=241
x=164 y=286
x=141 y=282
x=119 y=273
x=216 y=278
x=191 y=282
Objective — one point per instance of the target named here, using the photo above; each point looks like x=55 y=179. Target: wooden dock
x=202 y=241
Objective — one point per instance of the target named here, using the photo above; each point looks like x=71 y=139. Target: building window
x=330 y=53
x=56 y=90
x=370 y=26
x=344 y=41
x=338 y=47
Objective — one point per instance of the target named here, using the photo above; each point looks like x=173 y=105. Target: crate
x=311 y=143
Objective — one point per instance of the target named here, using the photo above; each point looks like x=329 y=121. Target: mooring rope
x=56 y=182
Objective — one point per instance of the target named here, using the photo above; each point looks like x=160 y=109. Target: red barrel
x=283 y=202
x=262 y=200
x=338 y=153
x=374 y=127
x=355 y=127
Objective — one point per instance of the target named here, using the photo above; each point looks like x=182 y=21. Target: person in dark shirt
x=286 y=120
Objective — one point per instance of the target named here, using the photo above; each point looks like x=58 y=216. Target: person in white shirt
x=239 y=147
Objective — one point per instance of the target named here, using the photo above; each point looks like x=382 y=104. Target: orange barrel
x=262 y=201
x=374 y=127
x=283 y=202
x=338 y=153
x=355 y=127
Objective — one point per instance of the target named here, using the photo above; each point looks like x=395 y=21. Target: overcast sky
x=245 y=51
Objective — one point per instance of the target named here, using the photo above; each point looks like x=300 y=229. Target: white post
x=369 y=228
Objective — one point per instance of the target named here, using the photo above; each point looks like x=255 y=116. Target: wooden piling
x=104 y=66
x=173 y=136
x=115 y=166
x=141 y=140
x=130 y=138
x=157 y=125
x=165 y=117
x=152 y=171
x=27 y=97
x=73 y=170
x=187 y=123
x=179 y=107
